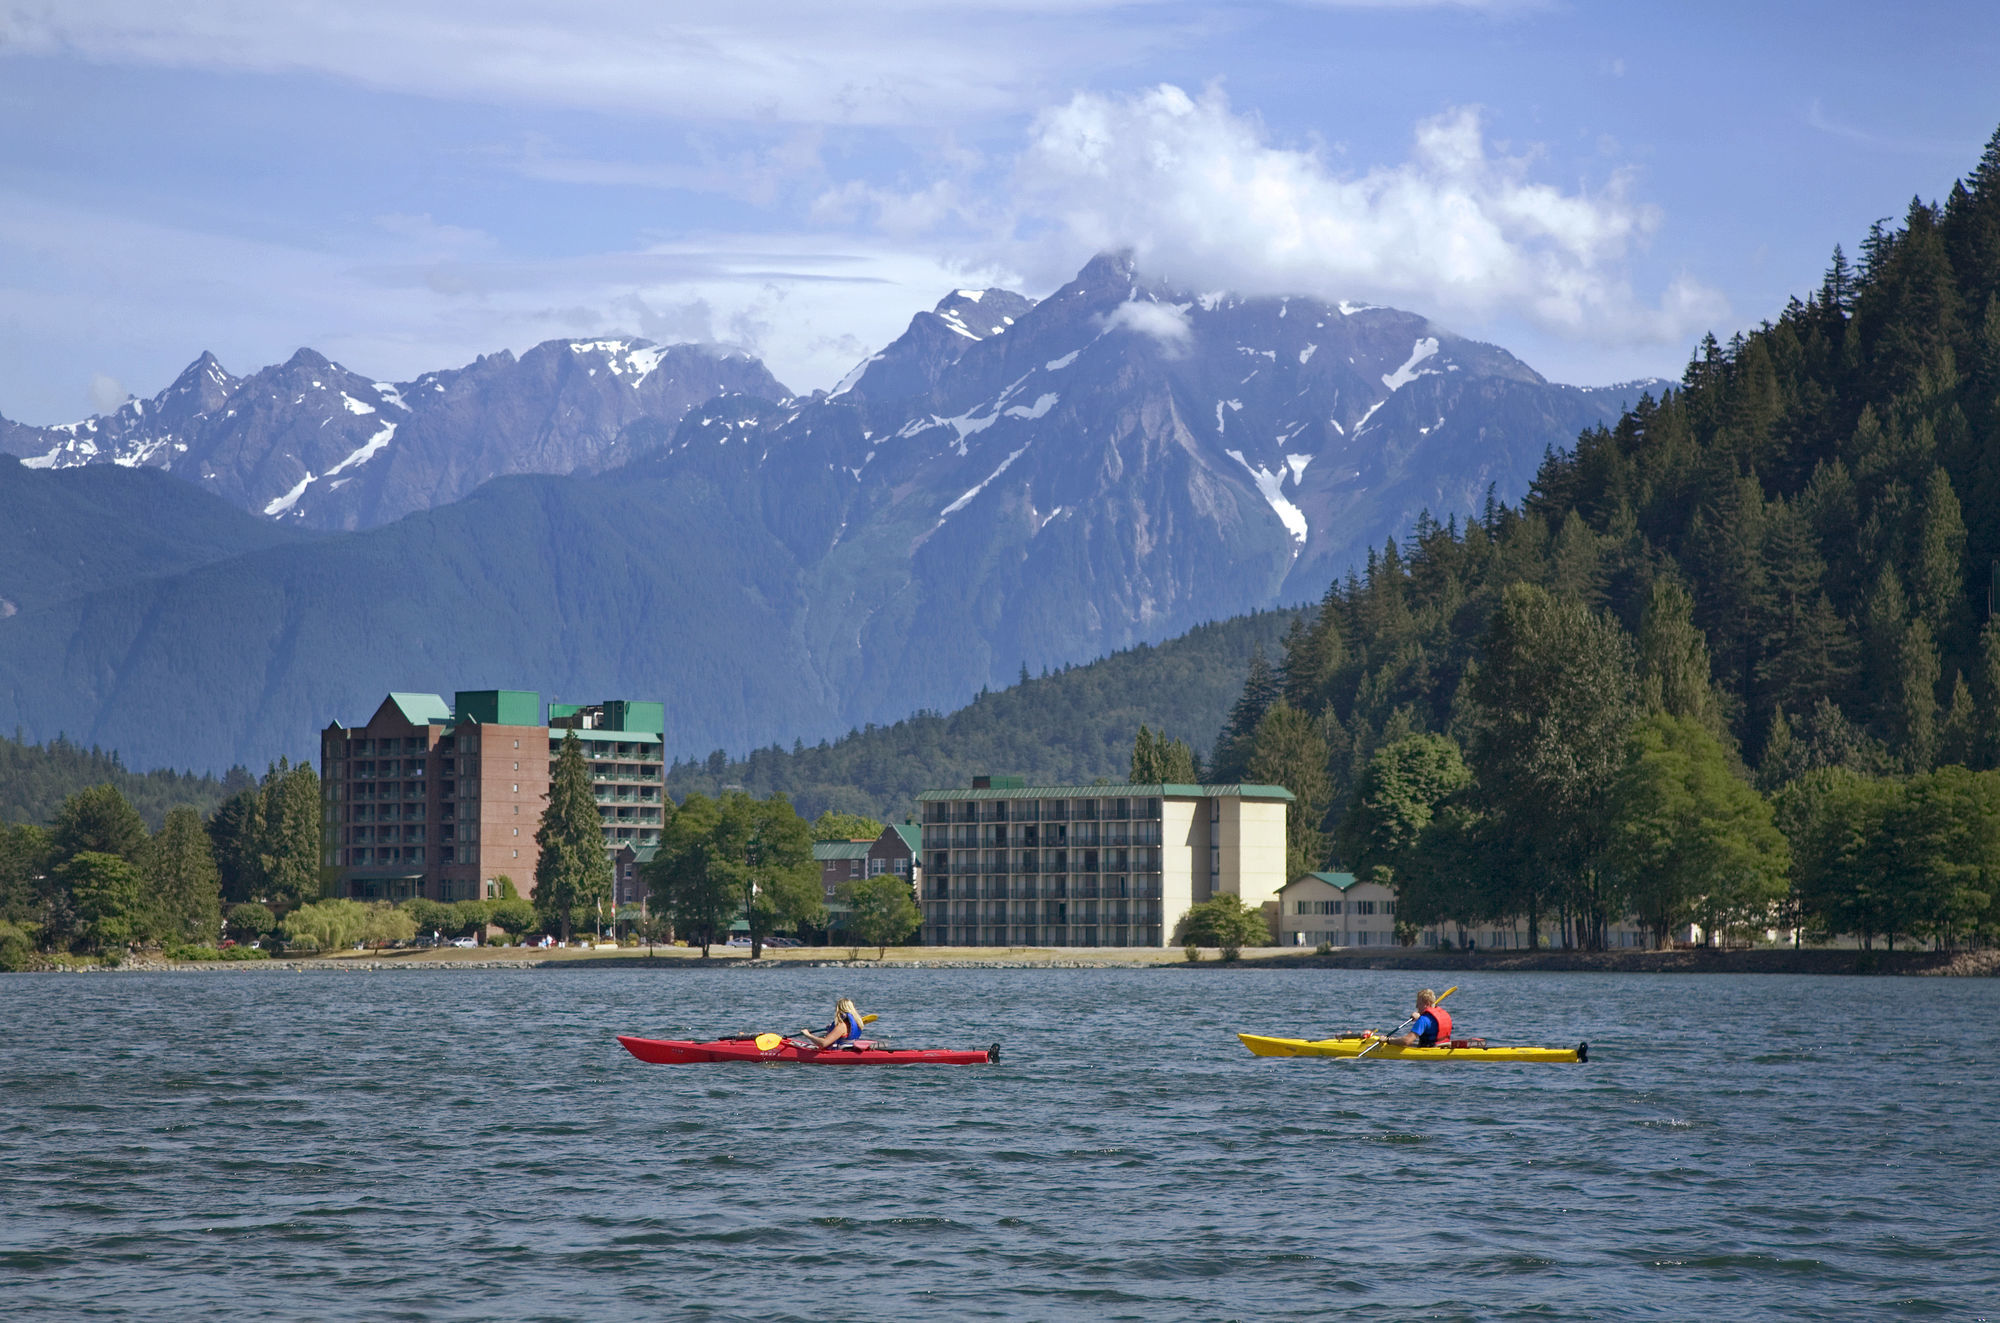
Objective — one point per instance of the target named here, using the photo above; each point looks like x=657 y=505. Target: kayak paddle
x=1399 y=1028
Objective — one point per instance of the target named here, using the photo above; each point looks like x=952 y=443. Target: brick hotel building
x=440 y=800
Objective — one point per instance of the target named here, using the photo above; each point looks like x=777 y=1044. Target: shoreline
x=1839 y=961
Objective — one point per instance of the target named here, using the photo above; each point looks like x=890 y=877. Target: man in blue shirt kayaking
x=1431 y=1026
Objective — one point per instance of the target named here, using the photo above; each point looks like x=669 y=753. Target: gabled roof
x=1338 y=881
x=422 y=709
x=912 y=834
x=826 y=850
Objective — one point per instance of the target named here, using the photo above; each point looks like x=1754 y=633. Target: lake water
x=439 y=1145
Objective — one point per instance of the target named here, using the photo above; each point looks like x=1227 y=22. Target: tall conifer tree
x=573 y=873
x=180 y=873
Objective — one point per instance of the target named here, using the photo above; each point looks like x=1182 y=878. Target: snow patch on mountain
x=1058 y=364
x=962 y=501
x=1271 y=485
x=368 y=450
x=291 y=498
x=1408 y=373
x=1041 y=406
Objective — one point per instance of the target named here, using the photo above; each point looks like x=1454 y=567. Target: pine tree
x=1885 y=625
x=1260 y=690
x=288 y=850
x=1916 y=697
x=181 y=877
x=234 y=830
x=1673 y=659
x=1289 y=750
x=99 y=821
x=1145 y=758
x=1988 y=742
x=1958 y=734
x=1807 y=652
x=573 y=874
x=1937 y=579
x=1576 y=564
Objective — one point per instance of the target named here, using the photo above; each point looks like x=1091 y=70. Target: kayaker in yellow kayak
x=845 y=1031
x=1432 y=1026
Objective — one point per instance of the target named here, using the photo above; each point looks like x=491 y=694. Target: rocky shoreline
x=1948 y=964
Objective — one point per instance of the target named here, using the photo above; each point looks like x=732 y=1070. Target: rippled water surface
x=416 y=1145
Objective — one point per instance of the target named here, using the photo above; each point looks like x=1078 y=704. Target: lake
x=435 y=1144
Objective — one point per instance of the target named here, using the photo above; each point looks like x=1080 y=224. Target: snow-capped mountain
x=1124 y=456
x=1007 y=483
x=311 y=442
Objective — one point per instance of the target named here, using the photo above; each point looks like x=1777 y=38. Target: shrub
x=1324 y=948
x=1192 y=952
x=1226 y=922
x=17 y=948
x=245 y=953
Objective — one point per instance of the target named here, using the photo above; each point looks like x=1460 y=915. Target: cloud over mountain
x=1203 y=195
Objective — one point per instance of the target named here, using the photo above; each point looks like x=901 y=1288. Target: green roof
x=825 y=850
x=1338 y=881
x=422 y=709
x=499 y=707
x=1241 y=790
x=912 y=834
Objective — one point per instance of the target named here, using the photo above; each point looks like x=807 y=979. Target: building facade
x=443 y=800
x=1009 y=864
x=1337 y=910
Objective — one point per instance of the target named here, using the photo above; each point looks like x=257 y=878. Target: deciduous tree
x=884 y=912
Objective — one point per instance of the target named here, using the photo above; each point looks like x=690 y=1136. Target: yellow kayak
x=1353 y=1046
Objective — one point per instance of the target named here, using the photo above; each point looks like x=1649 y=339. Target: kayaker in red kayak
x=845 y=1031
x=1432 y=1026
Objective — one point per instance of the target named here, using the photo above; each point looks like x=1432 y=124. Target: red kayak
x=680 y=1052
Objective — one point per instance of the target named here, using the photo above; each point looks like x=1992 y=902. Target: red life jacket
x=1443 y=1018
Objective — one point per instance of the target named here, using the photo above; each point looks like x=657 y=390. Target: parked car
x=463 y=941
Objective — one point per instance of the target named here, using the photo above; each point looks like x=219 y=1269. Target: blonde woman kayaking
x=845 y=1031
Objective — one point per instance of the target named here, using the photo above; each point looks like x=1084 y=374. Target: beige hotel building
x=1005 y=863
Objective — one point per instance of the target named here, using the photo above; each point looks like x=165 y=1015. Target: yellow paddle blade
x=870 y=1019
x=765 y=1042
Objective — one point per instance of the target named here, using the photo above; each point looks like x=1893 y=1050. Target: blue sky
x=406 y=185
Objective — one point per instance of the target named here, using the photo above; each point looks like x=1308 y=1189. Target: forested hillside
x=36 y=778
x=1071 y=725
x=66 y=534
x=1790 y=558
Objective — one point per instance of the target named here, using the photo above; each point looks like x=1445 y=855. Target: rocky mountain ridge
x=313 y=443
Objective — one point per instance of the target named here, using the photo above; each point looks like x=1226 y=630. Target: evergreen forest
x=1732 y=662
x=36 y=778
x=1064 y=726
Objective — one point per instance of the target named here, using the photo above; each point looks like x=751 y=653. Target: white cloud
x=796 y=61
x=1164 y=322
x=1204 y=198
x=390 y=308
x=106 y=393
